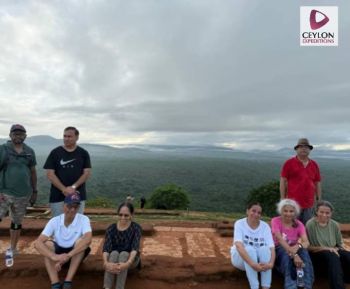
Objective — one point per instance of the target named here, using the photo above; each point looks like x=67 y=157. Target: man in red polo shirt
x=301 y=180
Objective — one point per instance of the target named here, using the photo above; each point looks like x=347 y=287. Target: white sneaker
x=9 y=258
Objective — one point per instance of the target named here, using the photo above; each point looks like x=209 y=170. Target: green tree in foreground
x=268 y=196
x=169 y=197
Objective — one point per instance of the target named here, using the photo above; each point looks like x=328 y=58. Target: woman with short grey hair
x=291 y=244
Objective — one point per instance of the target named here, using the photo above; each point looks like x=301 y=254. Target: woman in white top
x=253 y=247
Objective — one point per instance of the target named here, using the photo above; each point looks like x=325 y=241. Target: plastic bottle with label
x=300 y=277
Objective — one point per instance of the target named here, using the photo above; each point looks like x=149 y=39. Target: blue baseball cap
x=72 y=199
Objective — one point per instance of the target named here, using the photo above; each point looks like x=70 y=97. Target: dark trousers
x=336 y=267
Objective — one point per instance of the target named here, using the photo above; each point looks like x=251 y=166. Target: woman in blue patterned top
x=121 y=247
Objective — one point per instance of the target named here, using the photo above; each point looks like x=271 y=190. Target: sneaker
x=14 y=251
x=56 y=285
x=9 y=258
x=67 y=285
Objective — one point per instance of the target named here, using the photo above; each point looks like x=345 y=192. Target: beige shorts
x=17 y=206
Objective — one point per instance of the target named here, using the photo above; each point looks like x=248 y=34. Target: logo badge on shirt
x=64 y=163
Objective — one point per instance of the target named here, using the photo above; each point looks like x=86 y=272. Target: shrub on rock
x=268 y=195
x=169 y=197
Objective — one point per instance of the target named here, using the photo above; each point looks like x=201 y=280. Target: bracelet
x=300 y=245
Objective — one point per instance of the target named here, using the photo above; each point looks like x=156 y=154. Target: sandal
x=9 y=258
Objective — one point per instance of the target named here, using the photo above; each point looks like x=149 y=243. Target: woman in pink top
x=291 y=244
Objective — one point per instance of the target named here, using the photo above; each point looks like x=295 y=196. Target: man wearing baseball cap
x=65 y=241
x=18 y=183
x=301 y=179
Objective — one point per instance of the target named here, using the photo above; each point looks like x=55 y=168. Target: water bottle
x=300 y=277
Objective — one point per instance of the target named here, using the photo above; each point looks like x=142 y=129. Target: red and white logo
x=313 y=23
x=319 y=26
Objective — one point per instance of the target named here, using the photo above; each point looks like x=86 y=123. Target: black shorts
x=61 y=250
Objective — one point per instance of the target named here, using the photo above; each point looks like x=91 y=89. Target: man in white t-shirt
x=65 y=241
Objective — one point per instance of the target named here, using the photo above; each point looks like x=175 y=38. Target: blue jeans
x=285 y=265
x=263 y=255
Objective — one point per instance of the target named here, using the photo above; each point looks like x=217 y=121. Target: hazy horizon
x=173 y=73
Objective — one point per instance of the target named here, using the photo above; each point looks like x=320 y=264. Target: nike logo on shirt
x=62 y=162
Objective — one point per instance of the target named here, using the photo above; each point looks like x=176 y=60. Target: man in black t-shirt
x=68 y=167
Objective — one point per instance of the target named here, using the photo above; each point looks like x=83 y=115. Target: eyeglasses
x=124 y=215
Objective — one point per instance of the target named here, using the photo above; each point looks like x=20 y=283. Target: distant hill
x=43 y=144
x=217 y=178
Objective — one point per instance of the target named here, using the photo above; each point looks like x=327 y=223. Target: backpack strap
x=5 y=158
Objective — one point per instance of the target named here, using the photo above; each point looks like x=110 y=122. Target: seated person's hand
x=257 y=267
x=293 y=249
x=266 y=266
x=58 y=266
x=334 y=250
x=298 y=262
x=112 y=267
x=123 y=266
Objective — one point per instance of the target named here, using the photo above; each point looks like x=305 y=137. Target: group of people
x=68 y=167
x=296 y=241
x=303 y=236
x=293 y=249
x=66 y=238
x=65 y=241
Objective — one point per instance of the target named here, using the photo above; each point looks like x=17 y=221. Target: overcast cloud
x=173 y=72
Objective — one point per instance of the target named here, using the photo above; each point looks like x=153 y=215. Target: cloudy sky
x=194 y=72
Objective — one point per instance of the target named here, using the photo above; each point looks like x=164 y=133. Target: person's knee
x=50 y=245
x=16 y=226
x=236 y=260
x=113 y=256
x=123 y=256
